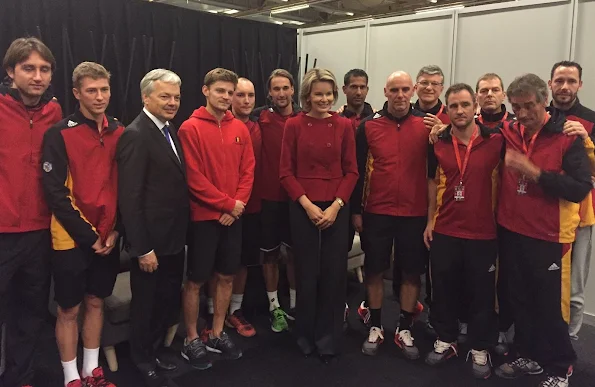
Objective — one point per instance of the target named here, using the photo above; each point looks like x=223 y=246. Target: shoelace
x=375 y=334
x=241 y=319
x=552 y=381
x=442 y=346
x=195 y=347
x=479 y=357
x=520 y=362
x=406 y=337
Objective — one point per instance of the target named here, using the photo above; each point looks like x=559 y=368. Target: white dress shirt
x=160 y=124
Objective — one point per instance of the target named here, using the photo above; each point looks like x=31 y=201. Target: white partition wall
x=506 y=38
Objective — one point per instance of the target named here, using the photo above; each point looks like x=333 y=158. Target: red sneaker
x=73 y=383
x=237 y=321
x=364 y=314
x=97 y=379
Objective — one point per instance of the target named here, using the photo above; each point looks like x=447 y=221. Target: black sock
x=376 y=317
x=405 y=320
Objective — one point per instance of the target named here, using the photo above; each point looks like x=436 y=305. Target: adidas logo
x=72 y=123
x=553 y=267
x=491 y=269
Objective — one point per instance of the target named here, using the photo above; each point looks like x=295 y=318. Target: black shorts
x=251 y=235
x=78 y=272
x=406 y=232
x=213 y=247
x=275 y=225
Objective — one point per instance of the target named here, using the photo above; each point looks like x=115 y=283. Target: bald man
x=390 y=203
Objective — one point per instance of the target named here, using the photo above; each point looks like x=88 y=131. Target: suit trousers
x=156 y=303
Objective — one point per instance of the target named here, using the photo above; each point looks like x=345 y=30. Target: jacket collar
x=493 y=117
x=435 y=110
x=574 y=109
x=368 y=111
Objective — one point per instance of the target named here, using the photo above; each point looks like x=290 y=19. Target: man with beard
x=275 y=202
x=565 y=82
x=27 y=110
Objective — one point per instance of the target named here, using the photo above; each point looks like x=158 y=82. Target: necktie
x=166 y=133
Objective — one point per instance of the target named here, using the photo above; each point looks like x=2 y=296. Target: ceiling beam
x=269 y=8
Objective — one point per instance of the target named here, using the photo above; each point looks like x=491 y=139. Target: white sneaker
x=482 y=363
x=404 y=340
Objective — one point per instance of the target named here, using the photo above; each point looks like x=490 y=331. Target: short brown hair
x=528 y=84
x=279 y=73
x=20 y=50
x=88 y=69
x=220 y=75
x=488 y=76
x=457 y=88
x=311 y=77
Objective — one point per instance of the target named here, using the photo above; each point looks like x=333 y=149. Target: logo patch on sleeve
x=47 y=166
x=238 y=140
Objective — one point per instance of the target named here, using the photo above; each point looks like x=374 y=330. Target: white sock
x=70 y=371
x=292 y=296
x=90 y=361
x=236 y=302
x=210 y=304
x=273 y=301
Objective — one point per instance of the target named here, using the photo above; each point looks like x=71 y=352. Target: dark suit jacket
x=152 y=191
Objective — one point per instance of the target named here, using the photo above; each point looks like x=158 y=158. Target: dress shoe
x=152 y=379
x=165 y=366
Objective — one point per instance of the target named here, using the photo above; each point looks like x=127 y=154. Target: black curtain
x=133 y=37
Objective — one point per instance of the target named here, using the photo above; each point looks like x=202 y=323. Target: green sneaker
x=278 y=320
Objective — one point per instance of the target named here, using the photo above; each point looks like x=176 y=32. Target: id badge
x=521 y=186
x=459 y=193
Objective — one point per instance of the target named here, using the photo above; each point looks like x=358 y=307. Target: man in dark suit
x=154 y=203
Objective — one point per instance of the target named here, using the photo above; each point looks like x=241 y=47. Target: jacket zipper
x=220 y=131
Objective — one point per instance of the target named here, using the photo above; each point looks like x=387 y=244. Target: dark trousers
x=321 y=279
x=538 y=275
x=464 y=268
x=24 y=295
x=156 y=302
x=504 y=307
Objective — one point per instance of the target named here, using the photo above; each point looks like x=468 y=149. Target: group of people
x=493 y=207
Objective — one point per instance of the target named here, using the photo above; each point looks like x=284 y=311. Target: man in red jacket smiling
x=220 y=170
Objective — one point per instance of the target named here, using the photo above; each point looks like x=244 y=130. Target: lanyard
x=528 y=150
x=440 y=111
x=455 y=143
x=502 y=120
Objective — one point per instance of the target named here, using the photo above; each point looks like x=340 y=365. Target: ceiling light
x=349 y=13
x=440 y=9
x=212 y=11
x=297 y=23
x=433 y=1
x=290 y=9
x=231 y=11
x=278 y=22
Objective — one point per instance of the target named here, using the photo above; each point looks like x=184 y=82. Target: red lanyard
x=503 y=118
x=440 y=111
x=455 y=143
x=529 y=150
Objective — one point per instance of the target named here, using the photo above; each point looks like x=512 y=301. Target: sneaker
x=482 y=363
x=555 y=381
x=419 y=308
x=462 y=338
x=502 y=346
x=196 y=354
x=290 y=315
x=97 y=379
x=404 y=340
x=204 y=335
x=237 y=321
x=441 y=353
x=224 y=346
x=278 y=320
x=519 y=367
x=364 y=314
x=375 y=338
x=72 y=383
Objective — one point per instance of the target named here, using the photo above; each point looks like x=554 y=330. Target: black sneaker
x=519 y=367
x=196 y=354
x=224 y=346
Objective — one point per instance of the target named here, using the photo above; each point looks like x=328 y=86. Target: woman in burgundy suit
x=318 y=170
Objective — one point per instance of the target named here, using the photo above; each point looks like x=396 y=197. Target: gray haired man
x=154 y=204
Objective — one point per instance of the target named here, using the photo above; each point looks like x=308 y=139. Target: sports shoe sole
x=225 y=355
x=502 y=375
x=440 y=362
x=200 y=367
x=482 y=377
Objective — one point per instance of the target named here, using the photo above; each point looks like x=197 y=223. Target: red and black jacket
x=439 y=110
x=272 y=125
x=255 y=203
x=219 y=163
x=22 y=205
x=392 y=158
x=80 y=180
x=549 y=210
x=496 y=119
x=356 y=119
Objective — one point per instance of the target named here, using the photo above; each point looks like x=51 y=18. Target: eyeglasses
x=428 y=83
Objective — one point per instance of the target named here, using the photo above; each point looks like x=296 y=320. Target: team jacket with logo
x=318 y=158
x=219 y=163
x=549 y=209
x=22 y=205
x=473 y=217
x=255 y=203
x=356 y=119
x=80 y=180
x=272 y=124
x=392 y=163
x=439 y=111
x=496 y=119
x=586 y=117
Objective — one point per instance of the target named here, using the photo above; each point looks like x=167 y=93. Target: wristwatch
x=340 y=201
